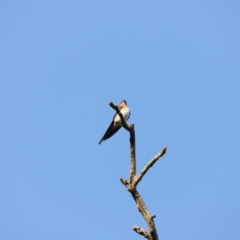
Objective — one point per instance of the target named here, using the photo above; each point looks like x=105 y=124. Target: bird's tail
x=110 y=131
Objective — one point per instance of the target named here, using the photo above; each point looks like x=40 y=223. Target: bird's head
x=123 y=103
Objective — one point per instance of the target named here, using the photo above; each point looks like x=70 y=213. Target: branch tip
x=111 y=104
x=165 y=149
x=141 y=231
x=124 y=182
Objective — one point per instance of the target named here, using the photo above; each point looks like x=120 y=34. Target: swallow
x=116 y=123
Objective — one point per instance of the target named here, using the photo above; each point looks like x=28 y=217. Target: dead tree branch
x=131 y=184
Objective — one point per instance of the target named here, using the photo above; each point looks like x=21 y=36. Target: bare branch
x=152 y=234
x=141 y=231
x=134 y=180
x=150 y=164
x=132 y=155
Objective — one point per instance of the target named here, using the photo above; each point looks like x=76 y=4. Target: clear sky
x=177 y=63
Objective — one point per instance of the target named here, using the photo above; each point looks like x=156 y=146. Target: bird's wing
x=110 y=131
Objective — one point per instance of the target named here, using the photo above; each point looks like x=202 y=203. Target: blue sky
x=177 y=65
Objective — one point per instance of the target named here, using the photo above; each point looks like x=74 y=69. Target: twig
x=141 y=231
x=150 y=164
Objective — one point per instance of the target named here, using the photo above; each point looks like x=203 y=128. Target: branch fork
x=134 y=179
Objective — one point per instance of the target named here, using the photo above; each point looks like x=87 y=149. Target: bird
x=116 y=123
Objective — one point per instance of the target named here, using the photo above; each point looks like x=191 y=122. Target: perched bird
x=116 y=122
